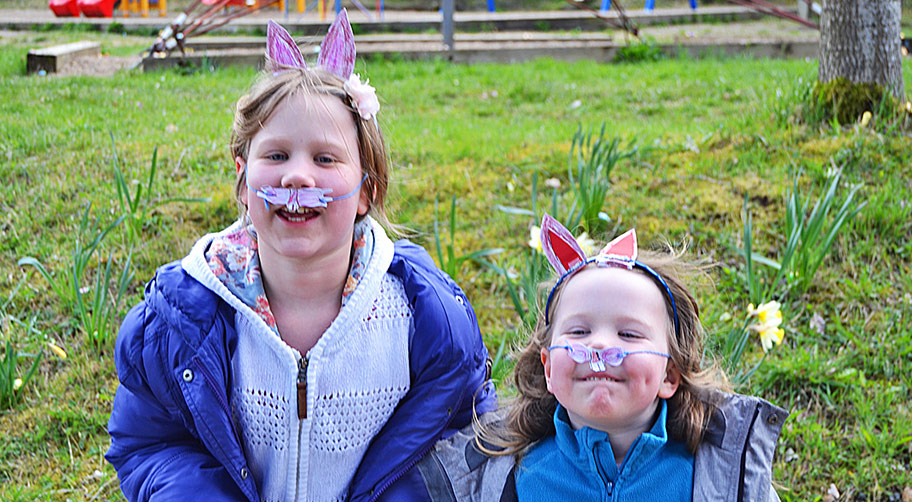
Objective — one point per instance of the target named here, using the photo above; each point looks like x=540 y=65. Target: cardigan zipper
x=302 y=387
x=302 y=414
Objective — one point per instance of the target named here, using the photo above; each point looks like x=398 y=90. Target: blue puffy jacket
x=172 y=435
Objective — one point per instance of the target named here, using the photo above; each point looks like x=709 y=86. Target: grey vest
x=733 y=462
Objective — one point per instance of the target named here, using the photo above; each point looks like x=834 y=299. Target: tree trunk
x=860 y=41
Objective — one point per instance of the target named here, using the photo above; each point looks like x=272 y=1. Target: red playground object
x=96 y=8
x=64 y=8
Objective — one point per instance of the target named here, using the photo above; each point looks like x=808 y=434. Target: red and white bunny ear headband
x=337 y=56
x=567 y=258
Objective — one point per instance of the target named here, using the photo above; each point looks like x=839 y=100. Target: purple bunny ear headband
x=567 y=258
x=337 y=56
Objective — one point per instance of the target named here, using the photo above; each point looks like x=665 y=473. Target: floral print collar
x=233 y=259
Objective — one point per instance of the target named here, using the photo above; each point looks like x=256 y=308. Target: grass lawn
x=708 y=133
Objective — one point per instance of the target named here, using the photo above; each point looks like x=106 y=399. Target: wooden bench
x=52 y=59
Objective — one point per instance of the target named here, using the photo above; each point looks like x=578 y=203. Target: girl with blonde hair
x=299 y=354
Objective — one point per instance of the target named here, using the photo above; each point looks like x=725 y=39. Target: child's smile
x=629 y=313
x=300 y=215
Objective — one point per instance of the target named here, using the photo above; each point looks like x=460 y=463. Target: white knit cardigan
x=356 y=374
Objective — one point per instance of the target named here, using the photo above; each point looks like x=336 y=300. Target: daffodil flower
x=535 y=238
x=57 y=350
x=766 y=311
x=770 y=337
x=769 y=318
x=865 y=118
x=586 y=244
x=17 y=383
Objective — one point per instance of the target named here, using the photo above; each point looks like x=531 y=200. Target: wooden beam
x=52 y=59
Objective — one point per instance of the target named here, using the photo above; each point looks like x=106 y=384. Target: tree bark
x=860 y=41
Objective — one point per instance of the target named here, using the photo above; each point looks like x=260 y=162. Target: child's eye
x=276 y=156
x=324 y=159
x=577 y=332
x=628 y=334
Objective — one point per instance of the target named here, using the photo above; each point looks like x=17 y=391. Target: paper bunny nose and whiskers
x=296 y=198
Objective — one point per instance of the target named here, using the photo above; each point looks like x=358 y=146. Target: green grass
x=708 y=131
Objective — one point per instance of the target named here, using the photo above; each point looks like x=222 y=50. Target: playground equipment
x=622 y=21
x=141 y=7
x=217 y=14
x=64 y=8
x=321 y=7
x=221 y=12
x=648 y=7
x=96 y=8
x=767 y=8
x=762 y=6
x=105 y=8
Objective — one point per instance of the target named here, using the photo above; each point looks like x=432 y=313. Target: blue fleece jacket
x=579 y=465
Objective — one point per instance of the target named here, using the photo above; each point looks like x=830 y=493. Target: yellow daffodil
x=763 y=311
x=535 y=238
x=57 y=350
x=865 y=118
x=770 y=337
x=17 y=383
x=769 y=317
x=586 y=244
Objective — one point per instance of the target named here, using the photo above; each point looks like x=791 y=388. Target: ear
x=337 y=52
x=364 y=200
x=671 y=383
x=241 y=165
x=281 y=50
x=559 y=245
x=546 y=362
x=624 y=246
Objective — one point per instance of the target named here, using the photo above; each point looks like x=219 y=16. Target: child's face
x=309 y=141
x=611 y=307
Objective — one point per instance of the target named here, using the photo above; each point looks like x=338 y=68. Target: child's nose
x=299 y=175
x=602 y=339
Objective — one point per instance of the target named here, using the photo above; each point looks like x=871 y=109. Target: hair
x=272 y=89
x=531 y=415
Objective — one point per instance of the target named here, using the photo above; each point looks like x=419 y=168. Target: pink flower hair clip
x=337 y=56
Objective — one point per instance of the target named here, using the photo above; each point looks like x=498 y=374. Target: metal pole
x=448 y=6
